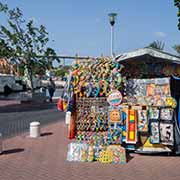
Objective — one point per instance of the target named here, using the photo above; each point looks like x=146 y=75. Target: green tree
x=24 y=43
x=61 y=71
x=177 y=4
x=157 y=45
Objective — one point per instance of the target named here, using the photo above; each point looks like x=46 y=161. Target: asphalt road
x=15 y=119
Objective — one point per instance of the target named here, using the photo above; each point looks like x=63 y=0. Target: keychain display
x=93 y=78
x=91 y=114
x=93 y=138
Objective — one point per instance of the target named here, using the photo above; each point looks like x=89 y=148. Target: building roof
x=148 y=51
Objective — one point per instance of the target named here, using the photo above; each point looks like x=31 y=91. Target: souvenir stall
x=152 y=85
x=110 y=109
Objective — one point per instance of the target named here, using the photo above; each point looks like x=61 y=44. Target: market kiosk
x=153 y=80
x=109 y=111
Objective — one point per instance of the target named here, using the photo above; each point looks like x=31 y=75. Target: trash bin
x=34 y=129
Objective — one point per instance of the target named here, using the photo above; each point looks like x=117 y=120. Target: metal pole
x=112 y=41
x=63 y=62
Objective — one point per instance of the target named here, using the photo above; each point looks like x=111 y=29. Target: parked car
x=9 y=83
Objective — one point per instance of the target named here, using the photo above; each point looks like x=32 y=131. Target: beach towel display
x=131 y=125
x=118 y=154
x=142 y=120
x=167 y=133
x=149 y=91
x=77 y=151
x=153 y=113
x=166 y=114
x=154 y=132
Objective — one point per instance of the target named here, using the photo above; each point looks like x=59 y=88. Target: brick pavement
x=45 y=159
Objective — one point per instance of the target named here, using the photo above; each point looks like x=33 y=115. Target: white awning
x=148 y=51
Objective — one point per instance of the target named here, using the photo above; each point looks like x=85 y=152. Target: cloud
x=160 y=34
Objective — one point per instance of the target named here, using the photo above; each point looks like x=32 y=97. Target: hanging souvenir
x=166 y=114
x=76 y=151
x=131 y=126
x=167 y=133
x=90 y=156
x=114 y=133
x=114 y=115
x=170 y=101
x=106 y=156
x=118 y=154
x=115 y=98
x=154 y=132
x=125 y=115
x=60 y=104
x=132 y=100
x=97 y=150
x=142 y=121
x=153 y=113
x=150 y=89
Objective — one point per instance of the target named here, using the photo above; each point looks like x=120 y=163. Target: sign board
x=115 y=98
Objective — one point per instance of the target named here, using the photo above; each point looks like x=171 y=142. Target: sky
x=82 y=26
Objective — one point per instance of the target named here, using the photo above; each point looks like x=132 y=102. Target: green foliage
x=157 y=45
x=5 y=50
x=62 y=71
x=177 y=4
x=24 y=42
x=177 y=48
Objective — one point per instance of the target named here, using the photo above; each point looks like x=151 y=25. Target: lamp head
x=112 y=18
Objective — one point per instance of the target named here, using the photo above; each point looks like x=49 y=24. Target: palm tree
x=157 y=45
x=177 y=48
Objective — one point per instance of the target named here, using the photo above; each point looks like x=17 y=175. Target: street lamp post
x=112 y=18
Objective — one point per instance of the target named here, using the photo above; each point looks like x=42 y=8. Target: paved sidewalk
x=15 y=117
x=9 y=102
x=45 y=159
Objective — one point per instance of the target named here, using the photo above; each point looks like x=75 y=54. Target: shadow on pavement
x=46 y=134
x=27 y=107
x=129 y=157
x=159 y=154
x=12 y=151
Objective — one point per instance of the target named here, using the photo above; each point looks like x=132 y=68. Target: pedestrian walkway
x=15 y=117
x=9 y=102
x=45 y=159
